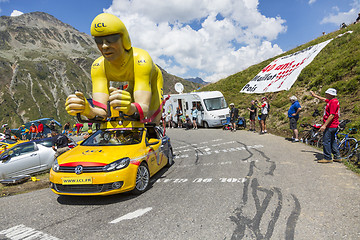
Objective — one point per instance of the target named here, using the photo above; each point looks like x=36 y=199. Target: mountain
x=196 y=80
x=336 y=66
x=171 y=80
x=42 y=61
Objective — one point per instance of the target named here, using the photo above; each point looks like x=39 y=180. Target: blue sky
x=211 y=39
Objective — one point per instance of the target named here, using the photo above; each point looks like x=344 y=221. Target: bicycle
x=311 y=135
x=345 y=143
x=354 y=154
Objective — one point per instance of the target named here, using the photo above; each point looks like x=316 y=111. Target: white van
x=211 y=105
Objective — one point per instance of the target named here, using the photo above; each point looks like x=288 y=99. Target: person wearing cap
x=120 y=62
x=169 y=119
x=23 y=132
x=293 y=114
x=330 y=124
x=264 y=113
x=33 y=131
x=234 y=114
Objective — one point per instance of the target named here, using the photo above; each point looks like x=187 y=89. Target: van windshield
x=212 y=104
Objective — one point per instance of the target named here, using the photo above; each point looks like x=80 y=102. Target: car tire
x=142 y=179
x=170 y=157
x=205 y=125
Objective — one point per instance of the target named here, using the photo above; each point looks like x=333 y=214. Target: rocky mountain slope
x=42 y=61
x=337 y=66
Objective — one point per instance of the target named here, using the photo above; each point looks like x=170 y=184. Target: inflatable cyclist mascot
x=120 y=62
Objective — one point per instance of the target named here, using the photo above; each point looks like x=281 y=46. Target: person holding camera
x=264 y=108
x=253 y=111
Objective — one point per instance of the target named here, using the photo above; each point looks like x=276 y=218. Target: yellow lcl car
x=119 y=157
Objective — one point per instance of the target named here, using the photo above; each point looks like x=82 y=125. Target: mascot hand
x=77 y=103
x=120 y=100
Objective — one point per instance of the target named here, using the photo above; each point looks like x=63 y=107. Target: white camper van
x=211 y=105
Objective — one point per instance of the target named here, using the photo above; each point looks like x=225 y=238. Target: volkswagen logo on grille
x=79 y=169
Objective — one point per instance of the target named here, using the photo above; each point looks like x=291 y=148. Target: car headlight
x=117 y=165
x=55 y=166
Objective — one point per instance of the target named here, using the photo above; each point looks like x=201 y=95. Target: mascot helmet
x=107 y=24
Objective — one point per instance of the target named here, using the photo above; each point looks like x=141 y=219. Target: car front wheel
x=142 y=179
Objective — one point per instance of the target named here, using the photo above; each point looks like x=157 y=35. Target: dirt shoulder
x=8 y=190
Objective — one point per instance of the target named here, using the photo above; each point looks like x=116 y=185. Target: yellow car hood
x=99 y=156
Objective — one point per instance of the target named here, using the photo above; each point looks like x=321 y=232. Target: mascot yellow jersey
x=138 y=70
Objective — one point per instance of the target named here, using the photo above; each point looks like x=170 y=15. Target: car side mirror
x=153 y=141
x=4 y=158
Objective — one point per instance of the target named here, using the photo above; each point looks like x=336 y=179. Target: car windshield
x=212 y=104
x=114 y=137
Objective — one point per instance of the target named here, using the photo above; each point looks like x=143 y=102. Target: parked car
x=6 y=144
x=119 y=157
x=44 y=121
x=27 y=157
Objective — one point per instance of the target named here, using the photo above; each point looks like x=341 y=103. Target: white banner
x=282 y=73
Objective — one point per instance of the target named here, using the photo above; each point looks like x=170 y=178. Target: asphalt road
x=223 y=185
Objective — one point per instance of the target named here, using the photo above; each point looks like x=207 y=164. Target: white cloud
x=343 y=17
x=212 y=38
x=311 y=1
x=16 y=13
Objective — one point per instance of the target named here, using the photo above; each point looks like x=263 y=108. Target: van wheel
x=205 y=125
x=142 y=179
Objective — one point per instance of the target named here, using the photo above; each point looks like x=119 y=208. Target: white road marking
x=22 y=232
x=208 y=150
x=132 y=215
x=201 y=180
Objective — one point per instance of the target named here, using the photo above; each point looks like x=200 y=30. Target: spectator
x=33 y=131
x=59 y=143
x=293 y=115
x=188 y=123
x=234 y=114
x=169 y=119
x=330 y=124
x=264 y=113
x=179 y=113
x=23 y=132
x=7 y=131
x=252 y=110
x=163 y=119
x=88 y=133
x=40 y=129
x=66 y=128
x=79 y=126
x=52 y=125
x=358 y=18
x=194 y=114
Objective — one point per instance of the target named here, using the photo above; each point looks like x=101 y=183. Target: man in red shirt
x=40 y=129
x=79 y=126
x=329 y=127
